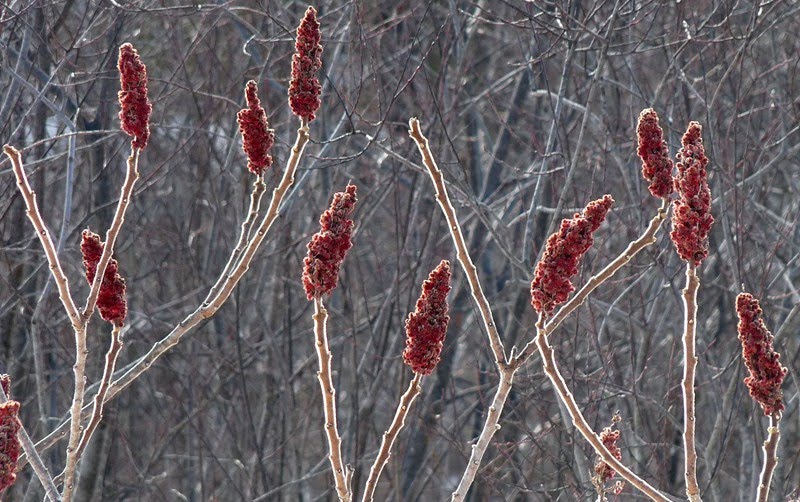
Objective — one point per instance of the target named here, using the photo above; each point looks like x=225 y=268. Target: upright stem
x=390 y=435
x=44 y=236
x=208 y=308
x=689 y=367
x=99 y=398
x=770 y=458
x=491 y=426
x=458 y=239
x=552 y=372
x=259 y=187
x=340 y=475
x=131 y=176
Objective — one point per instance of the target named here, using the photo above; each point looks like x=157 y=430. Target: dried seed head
x=9 y=443
x=111 y=300
x=305 y=89
x=763 y=363
x=135 y=108
x=691 y=215
x=257 y=137
x=426 y=327
x=551 y=283
x=329 y=246
x=656 y=164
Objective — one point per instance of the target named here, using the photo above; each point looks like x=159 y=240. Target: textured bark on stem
x=689 y=368
x=208 y=308
x=491 y=426
x=579 y=421
x=340 y=473
x=99 y=398
x=458 y=239
x=32 y=211
x=770 y=458
x=390 y=435
x=259 y=188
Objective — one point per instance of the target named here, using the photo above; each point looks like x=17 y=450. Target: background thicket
x=530 y=108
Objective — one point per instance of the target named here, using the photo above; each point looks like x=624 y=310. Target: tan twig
x=462 y=252
x=35 y=460
x=131 y=175
x=390 y=435
x=44 y=236
x=259 y=188
x=770 y=458
x=552 y=372
x=209 y=308
x=689 y=368
x=340 y=473
x=108 y=371
x=81 y=351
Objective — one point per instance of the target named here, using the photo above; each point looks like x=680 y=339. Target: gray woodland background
x=530 y=108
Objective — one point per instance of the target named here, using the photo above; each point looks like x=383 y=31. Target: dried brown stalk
x=390 y=435
x=770 y=458
x=689 y=368
x=341 y=474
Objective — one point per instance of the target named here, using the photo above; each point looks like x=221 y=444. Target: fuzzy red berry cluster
x=763 y=363
x=426 y=327
x=257 y=137
x=328 y=247
x=111 y=301
x=691 y=215
x=305 y=89
x=135 y=108
x=656 y=164
x=10 y=447
x=551 y=283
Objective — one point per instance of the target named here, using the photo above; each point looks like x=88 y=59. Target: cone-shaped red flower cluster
x=135 y=108
x=656 y=164
x=328 y=247
x=551 y=283
x=9 y=443
x=111 y=301
x=691 y=216
x=766 y=372
x=427 y=325
x=257 y=137
x=305 y=89
x=604 y=471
